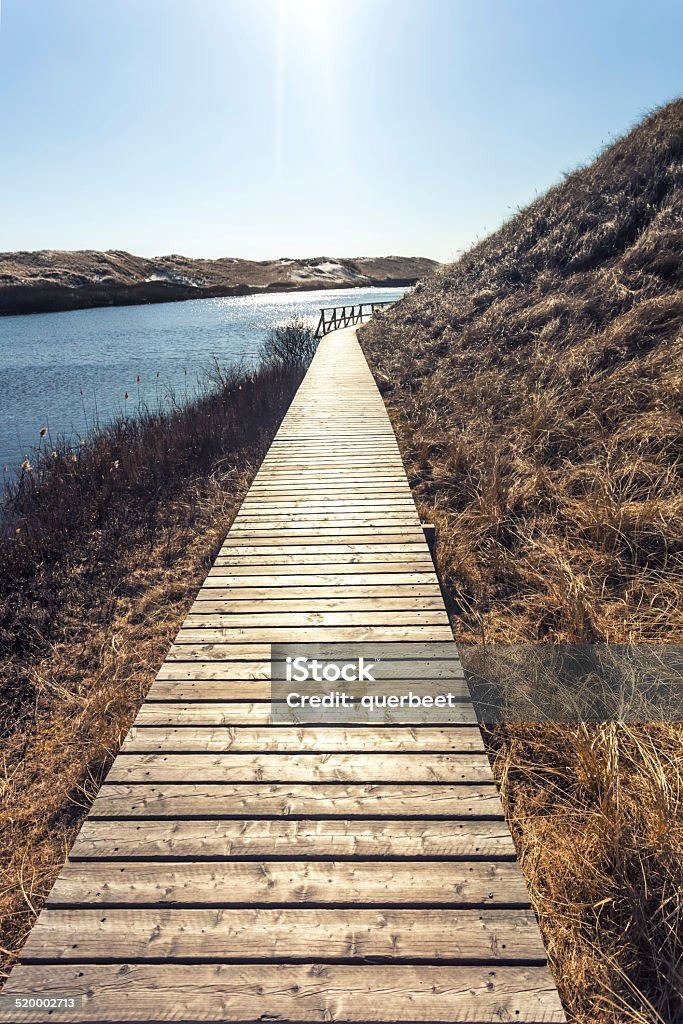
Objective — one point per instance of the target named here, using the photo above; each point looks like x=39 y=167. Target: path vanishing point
x=232 y=869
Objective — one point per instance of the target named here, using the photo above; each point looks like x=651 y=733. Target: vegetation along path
x=233 y=869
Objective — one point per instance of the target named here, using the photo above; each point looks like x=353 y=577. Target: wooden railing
x=333 y=317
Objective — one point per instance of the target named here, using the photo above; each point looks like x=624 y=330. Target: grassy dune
x=103 y=549
x=536 y=386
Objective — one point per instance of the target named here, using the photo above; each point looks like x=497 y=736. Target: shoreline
x=127 y=295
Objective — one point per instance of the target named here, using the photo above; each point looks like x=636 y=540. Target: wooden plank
x=373 y=478
x=299 y=461
x=311 y=634
x=251 y=668
x=205 y=619
x=212 y=714
x=295 y=523
x=206 y=685
x=244 y=883
x=328 y=493
x=312 y=529
x=306 y=511
x=399 y=667
x=225 y=653
x=213 y=604
x=375 y=739
x=203 y=713
x=249 y=648
x=323 y=597
x=327 y=538
x=300 y=768
x=243 y=578
x=347 y=488
x=240 y=713
x=359 y=526
x=306 y=994
x=300 y=506
x=392 y=545
x=205 y=682
x=385 y=470
x=234 y=671
x=294 y=839
x=264 y=800
x=219 y=936
x=419 y=569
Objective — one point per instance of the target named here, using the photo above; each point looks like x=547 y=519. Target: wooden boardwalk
x=236 y=870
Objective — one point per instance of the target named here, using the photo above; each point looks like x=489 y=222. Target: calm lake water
x=68 y=371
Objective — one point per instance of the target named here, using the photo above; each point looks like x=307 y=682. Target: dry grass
x=87 y=688
x=597 y=816
x=104 y=549
x=536 y=387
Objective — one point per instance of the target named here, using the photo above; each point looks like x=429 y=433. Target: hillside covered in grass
x=537 y=386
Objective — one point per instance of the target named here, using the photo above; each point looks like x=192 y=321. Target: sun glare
x=310 y=16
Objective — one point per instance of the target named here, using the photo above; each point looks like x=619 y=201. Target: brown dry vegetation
x=103 y=549
x=536 y=386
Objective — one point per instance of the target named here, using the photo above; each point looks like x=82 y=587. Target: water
x=68 y=371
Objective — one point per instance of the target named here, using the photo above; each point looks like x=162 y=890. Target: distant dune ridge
x=51 y=280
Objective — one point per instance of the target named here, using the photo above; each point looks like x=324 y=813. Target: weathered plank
x=278 y=522
x=300 y=838
x=362 y=569
x=244 y=883
x=313 y=767
x=309 y=634
x=234 y=800
x=299 y=738
x=207 y=685
x=318 y=581
x=280 y=619
x=319 y=595
x=239 y=713
x=306 y=994
x=219 y=936
x=255 y=648
x=210 y=604
x=250 y=667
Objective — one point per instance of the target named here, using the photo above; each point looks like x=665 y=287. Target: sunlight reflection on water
x=66 y=371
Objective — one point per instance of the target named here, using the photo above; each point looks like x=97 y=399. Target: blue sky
x=266 y=128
